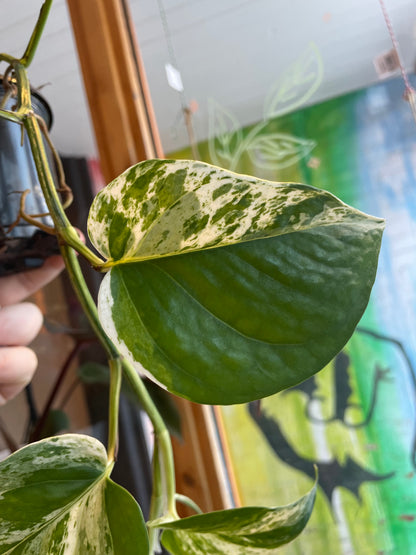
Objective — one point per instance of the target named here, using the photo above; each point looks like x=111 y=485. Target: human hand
x=20 y=322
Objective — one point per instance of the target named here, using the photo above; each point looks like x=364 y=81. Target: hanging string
x=186 y=110
x=410 y=93
x=169 y=44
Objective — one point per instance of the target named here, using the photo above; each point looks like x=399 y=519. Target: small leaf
x=245 y=531
x=57 y=421
x=56 y=497
x=94 y=372
x=225 y=135
x=276 y=151
x=298 y=84
x=238 y=323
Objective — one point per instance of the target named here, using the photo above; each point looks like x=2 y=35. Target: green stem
x=64 y=228
x=156 y=502
x=24 y=101
x=115 y=386
x=10 y=116
x=70 y=240
x=19 y=65
x=27 y=57
x=7 y=58
x=84 y=297
x=25 y=114
x=185 y=500
x=90 y=309
x=162 y=438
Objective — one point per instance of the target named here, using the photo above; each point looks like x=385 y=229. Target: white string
x=169 y=44
x=410 y=93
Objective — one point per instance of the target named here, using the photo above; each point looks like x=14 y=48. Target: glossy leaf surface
x=161 y=208
x=234 y=324
x=56 y=497
x=245 y=531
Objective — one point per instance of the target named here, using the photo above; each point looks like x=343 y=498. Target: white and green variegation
x=167 y=207
x=56 y=497
x=243 y=531
x=267 y=310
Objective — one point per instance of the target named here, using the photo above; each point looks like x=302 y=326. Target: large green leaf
x=245 y=531
x=237 y=323
x=56 y=497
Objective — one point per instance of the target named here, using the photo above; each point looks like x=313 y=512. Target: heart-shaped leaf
x=238 y=323
x=244 y=531
x=160 y=208
x=56 y=496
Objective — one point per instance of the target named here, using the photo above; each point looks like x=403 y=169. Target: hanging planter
x=22 y=245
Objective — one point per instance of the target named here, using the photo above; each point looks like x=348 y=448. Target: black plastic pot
x=23 y=247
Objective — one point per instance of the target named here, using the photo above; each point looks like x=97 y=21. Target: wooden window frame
x=126 y=133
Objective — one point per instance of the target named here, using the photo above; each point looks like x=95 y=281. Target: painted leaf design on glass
x=276 y=151
x=225 y=135
x=297 y=85
x=244 y=531
x=296 y=265
x=56 y=496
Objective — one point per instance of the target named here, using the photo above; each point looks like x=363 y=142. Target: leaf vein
x=217 y=318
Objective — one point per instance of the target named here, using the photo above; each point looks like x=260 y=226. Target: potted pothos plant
x=224 y=289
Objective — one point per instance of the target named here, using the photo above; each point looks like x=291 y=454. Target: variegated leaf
x=225 y=135
x=232 y=324
x=276 y=151
x=297 y=85
x=245 y=531
x=56 y=497
x=161 y=208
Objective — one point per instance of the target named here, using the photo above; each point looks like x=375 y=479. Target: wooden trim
x=125 y=129
x=200 y=470
x=227 y=462
x=143 y=84
x=126 y=132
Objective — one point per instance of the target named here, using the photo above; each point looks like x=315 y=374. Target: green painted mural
x=356 y=419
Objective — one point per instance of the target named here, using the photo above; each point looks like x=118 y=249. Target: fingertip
x=19 y=324
x=34 y=319
x=17 y=366
x=54 y=262
x=16 y=287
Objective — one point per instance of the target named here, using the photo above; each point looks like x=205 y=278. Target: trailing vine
x=224 y=289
